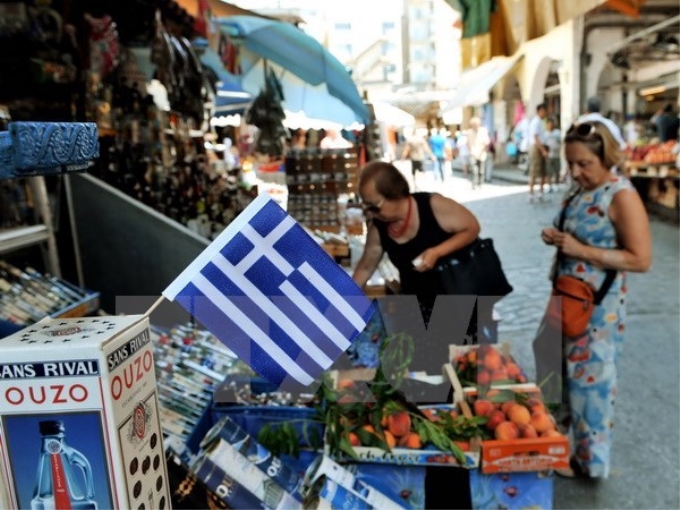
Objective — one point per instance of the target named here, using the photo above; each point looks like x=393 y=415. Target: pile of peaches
x=522 y=417
x=485 y=365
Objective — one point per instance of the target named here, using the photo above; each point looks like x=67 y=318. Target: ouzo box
x=94 y=378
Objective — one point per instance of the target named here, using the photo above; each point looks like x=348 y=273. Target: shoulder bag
x=474 y=270
x=578 y=298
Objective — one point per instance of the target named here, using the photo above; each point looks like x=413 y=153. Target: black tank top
x=424 y=285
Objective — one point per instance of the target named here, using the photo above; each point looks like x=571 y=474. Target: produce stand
x=654 y=172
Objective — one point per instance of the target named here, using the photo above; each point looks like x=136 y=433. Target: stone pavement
x=646 y=454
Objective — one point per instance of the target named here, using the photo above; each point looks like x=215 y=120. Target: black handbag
x=474 y=270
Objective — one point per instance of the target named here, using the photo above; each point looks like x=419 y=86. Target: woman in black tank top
x=415 y=230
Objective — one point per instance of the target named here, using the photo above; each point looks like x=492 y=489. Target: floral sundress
x=591 y=360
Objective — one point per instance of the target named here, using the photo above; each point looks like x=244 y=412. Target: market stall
x=654 y=170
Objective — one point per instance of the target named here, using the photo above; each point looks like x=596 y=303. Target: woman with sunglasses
x=605 y=228
x=414 y=229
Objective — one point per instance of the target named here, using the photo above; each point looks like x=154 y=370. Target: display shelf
x=86 y=306
x=22 y=237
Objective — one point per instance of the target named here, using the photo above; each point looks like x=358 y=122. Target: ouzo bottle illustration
x=64 y=479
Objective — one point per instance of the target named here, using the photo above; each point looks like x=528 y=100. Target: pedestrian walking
x=601 y=234
x=416 y=149
x=538 y=151
x=437 y=143
x=478 y=142
x=554 y=143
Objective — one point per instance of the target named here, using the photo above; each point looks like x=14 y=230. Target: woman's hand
x=568 y=244
x=427 y=260
x=548 y=235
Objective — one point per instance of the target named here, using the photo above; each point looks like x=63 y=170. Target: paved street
x=646 y=456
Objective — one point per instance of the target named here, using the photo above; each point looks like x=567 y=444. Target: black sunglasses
x=584 y=129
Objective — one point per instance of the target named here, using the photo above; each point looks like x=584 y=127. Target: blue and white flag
x=270 y=293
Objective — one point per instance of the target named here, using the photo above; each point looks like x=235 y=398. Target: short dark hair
x=668 y=108
x=542 y=106
x=388 y=180
x=593 y=104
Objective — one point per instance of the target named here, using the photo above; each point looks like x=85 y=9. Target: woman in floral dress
x=606 y=227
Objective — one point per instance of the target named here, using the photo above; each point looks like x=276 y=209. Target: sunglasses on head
x=584 y=129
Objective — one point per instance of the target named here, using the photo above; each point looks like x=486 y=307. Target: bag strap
x=610 y=274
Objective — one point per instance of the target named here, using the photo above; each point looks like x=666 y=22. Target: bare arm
x=454 y=218
x=632 y=228
x=370 y=258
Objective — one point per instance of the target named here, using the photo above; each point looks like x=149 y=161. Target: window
x=388 y=27
x=345 y=26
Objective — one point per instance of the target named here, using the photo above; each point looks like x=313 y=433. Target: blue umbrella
x=297 y=53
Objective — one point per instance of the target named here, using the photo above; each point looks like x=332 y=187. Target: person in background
x=414 y=229
x=334 y=140
x=491 y=159
x=299 y=139
x=437 y=143
x=633 y=130
x=592 y=114
x=554 y=143
x=667 y=124
x=606 y=227
x=478 y=142
x=463 y=151
x=415 y=149
x=538 y=151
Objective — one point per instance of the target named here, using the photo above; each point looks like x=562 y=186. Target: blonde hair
x=599 y=140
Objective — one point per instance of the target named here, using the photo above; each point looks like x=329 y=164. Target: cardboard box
x=516 y=455
x=80 y=395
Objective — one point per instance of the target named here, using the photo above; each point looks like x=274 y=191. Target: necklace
x=397 y=233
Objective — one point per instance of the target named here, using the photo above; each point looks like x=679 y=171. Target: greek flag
x=270 y=293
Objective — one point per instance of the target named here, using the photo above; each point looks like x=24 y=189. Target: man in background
x=666 y=124
x=538 y=151
x=592 y=114
x=415 y=149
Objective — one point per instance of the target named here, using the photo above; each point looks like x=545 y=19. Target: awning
x=513 y=22
x=475 y=84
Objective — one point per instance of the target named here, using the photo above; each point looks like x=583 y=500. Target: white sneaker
x=540 y=197
x=530 y=199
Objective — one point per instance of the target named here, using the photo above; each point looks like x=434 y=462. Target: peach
x=483 y=377
x=492 y=393
x=463 y=445
x=411 y=440
x=344 y=384
x=541 y=421
x=527 y=431
x=431 y=415
x=399 y=424
x=551 y=433
x=483 y=407
x=495 y=418
x=499 y=375
x=505 y=406
x=513 y=370
x=535 y=404
x=353 y=439
x=390 y=439
x=519 y=415
x=506 y=431
x=492 y=360
x=472 y=356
